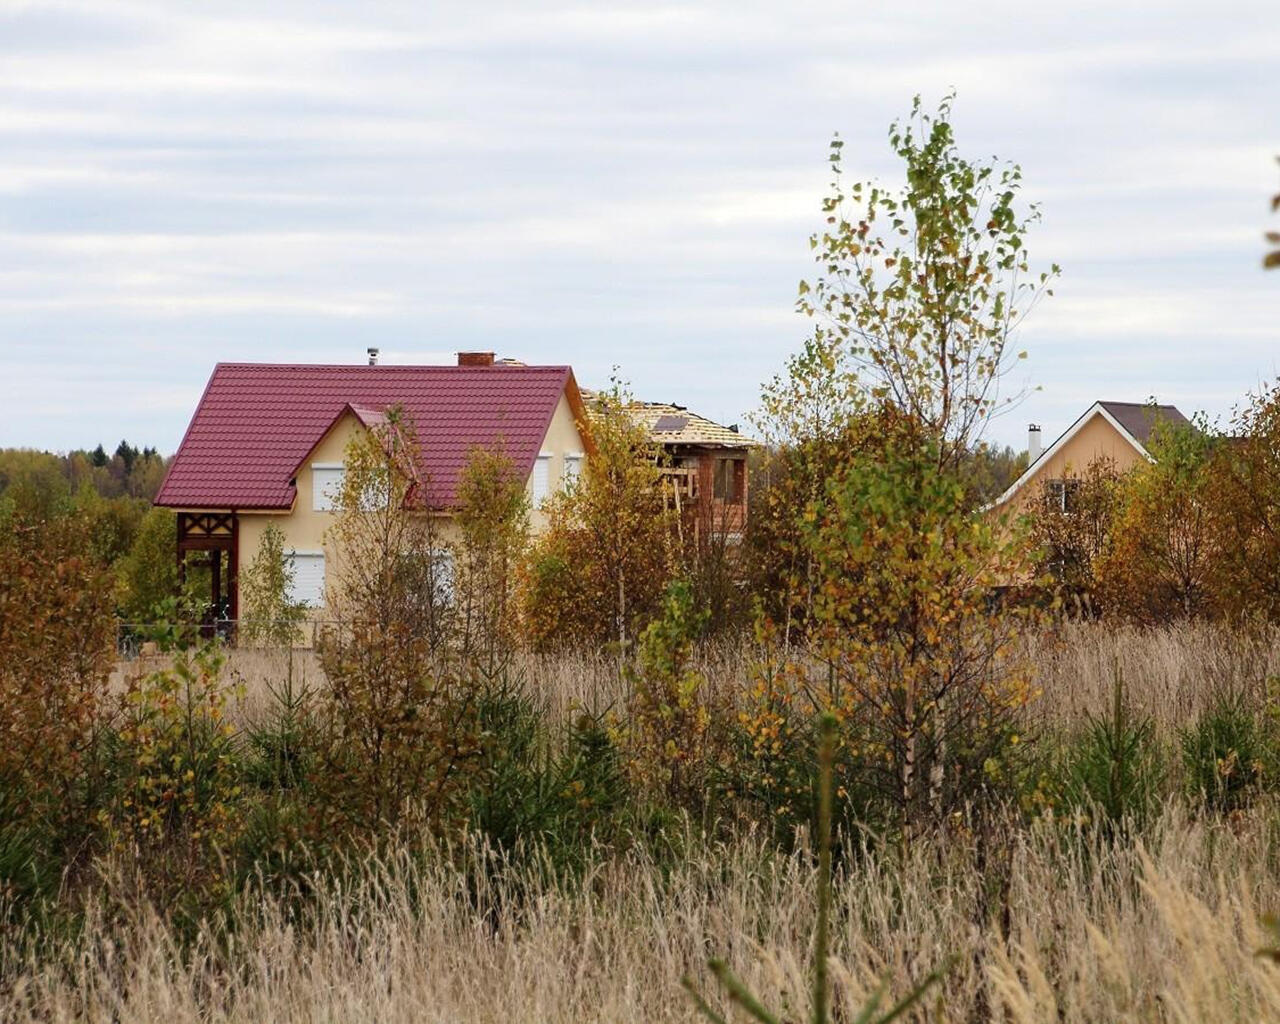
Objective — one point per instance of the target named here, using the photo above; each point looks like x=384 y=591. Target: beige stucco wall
x=1097 y=438
x=305 y=530
x=562 y=439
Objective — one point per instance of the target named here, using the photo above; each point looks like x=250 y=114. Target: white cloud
x=632 y=185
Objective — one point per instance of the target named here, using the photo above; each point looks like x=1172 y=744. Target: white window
x=444 y=573
x=326 y=485
x=308 y=578
x=541 y=478
x=572 y=468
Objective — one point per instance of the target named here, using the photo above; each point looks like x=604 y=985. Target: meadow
x=1038 y=908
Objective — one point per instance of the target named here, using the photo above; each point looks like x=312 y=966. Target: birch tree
x=921 y=287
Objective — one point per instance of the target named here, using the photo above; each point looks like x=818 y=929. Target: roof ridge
x=1138 y=405
x=363 y=367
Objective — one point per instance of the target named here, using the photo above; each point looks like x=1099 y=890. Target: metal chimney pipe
x=1033 y=443
x=373 y=356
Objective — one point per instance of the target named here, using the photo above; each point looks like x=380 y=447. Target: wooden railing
x=683 y=481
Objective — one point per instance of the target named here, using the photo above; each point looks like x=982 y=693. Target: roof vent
x=475 y=358
x=373 y=356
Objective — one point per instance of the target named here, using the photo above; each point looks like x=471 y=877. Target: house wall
x=562 y=438
x=1097 y=438
x=714 y=513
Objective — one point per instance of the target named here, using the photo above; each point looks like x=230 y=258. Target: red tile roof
x=257 y=422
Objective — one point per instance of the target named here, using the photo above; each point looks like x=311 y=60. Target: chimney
x=373 y=356
x=1033 y=442
x=475 y=358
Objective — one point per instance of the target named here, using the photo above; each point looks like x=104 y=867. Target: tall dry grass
x=1052 y=926
x=1170 y=673
x=1045 y=923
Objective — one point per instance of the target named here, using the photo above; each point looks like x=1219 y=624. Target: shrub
x=597 y=573
x=675 y=730
x=493 y=519
x=1071 y=529
x=1161 y=562
x=1246 y=499
x=912 y=653
x=1115 y=765
x=56 y=648
x=281 y=747
x=148 y=574
x=176 y=774
x=1223 y=754
x=268 y=615
x=553 y=615
x=774 y=764
x=281 y=758
x=741 y=995
x=534 y=790
x=398 y=715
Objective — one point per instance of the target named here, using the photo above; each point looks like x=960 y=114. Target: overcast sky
x=182 y=184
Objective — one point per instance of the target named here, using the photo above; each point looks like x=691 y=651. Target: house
x=705 y=463
x=267 y=441
x=1118 y=431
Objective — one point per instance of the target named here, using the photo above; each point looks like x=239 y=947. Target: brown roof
x=1140 y=418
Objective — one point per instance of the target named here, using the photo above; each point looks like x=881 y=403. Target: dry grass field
x=1170 y=674
x=1165 y=932
x=1042 y=923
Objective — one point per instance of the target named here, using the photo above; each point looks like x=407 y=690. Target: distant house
x=1118 y=431
x=705 y=463
x=267 y=441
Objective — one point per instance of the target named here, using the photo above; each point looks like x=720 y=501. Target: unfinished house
x=705 y=465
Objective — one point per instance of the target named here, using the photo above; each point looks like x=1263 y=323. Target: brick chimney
x=475 y=358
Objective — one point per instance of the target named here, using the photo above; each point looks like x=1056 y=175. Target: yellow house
x=267 y=441
x=1118 y=431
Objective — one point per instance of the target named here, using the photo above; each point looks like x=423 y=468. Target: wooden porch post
x=215 y=570
x=233 y=572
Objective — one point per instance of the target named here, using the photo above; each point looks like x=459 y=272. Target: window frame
x=727 y=480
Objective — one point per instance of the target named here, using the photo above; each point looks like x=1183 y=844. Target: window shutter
x=572 y=469
x=326 y=485
x=541 y=479
x=308 y=578
x=444 y=576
